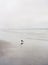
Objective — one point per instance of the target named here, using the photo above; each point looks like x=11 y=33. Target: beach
x=34 y=51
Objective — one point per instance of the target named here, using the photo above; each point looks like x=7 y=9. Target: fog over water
x=25 y=20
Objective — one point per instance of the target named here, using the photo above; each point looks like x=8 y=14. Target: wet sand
x=12 y=55
x=34 y=51
x=40 y=53
x=35 y=54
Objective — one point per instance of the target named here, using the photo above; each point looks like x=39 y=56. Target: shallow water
x=34 y=51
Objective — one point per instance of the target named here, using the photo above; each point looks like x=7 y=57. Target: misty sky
x=23 y=13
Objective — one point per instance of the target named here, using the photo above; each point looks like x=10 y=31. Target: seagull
x=22 y=42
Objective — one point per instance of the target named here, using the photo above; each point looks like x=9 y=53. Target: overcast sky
x=24 y=13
